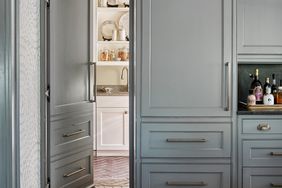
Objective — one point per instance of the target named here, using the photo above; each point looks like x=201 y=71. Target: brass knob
x=263 y=127
x=125 y=112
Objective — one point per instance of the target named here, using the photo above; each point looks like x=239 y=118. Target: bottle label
x=258 y=93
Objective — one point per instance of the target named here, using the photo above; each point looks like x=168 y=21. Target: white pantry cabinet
x=112 y=125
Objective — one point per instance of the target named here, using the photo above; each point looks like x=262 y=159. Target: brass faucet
x=122 y=76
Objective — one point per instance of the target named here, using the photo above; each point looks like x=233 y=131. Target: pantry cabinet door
x=259 y=27
x=112 y=129
x=185 y=57
x=70 y=120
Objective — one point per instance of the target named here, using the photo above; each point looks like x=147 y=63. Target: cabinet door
x=262 y=177
x=259 y=27
x=112 y=129
x=185 y=54
x=185 y=176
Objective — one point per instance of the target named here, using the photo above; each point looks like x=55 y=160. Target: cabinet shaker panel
x=259 y=27
x=186 y=57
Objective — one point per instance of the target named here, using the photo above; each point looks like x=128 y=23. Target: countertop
x=112 y=90
x=243 y=111
x=246 y=112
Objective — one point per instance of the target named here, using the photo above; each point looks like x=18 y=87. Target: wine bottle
x=266 y=85
x=256 y=86
x=274 y=86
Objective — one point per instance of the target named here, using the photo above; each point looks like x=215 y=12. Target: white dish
x=124 y=23
x=107 y=28
x=113 y=3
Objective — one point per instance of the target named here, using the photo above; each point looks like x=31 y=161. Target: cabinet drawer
x=73 y=171
x=262 y=152
x=112 y=101
x=173 y=176
x=185 y=140
x=262 y=126
x=262 y=177
x=71 y=133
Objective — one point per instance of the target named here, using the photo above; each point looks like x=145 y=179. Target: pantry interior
x=111 y=130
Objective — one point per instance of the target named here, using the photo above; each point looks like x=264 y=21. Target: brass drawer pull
x=75 y=172
x=185 y=140
x=263 y=127
x=185 y=183
x=275 y=185
x=276 y=154
x=74 y=133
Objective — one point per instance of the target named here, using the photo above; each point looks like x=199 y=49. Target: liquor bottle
x=268 y=98
x=274 y=88
x=266 y=85
x=256 y=86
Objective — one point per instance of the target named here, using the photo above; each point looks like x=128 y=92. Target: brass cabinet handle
x=75 y=172
x=125 y=112
x=186 y=140
x=275 y=185
x=276 y=154
x=185 y=183
x=263 y=127
x=74 y=133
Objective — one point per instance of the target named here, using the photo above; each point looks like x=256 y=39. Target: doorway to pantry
x=88 y=95
x=111 y=130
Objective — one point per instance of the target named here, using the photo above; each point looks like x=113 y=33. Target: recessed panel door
x=71 y=80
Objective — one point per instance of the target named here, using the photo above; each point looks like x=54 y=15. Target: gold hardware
x=74 y=133
x=186 y=140
x=75 y=172
x=185 y=183
x=263 y=127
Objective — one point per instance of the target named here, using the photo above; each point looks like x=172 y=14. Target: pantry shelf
x=101 y=9
x=113 y=42
x=112 y=63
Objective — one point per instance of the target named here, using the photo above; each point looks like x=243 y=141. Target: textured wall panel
x=29 y=93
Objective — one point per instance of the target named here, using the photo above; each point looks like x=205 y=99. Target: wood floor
x=111 y=172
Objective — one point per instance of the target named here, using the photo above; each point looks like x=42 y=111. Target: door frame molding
x=43 y=102
x=10 y=131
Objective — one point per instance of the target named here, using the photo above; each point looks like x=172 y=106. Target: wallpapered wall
x=29 y=19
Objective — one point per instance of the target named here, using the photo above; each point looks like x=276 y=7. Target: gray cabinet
x=259 y=151
x=173 y=176
x=262 y=177
x=73 y=171
x=186 y=57
x=262 y=152
x=185 y=140
x=259 y=27
x=184 y=77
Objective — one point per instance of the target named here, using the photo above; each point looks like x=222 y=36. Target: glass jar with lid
x=279 y=95
x=104 y=55
x=123 y=54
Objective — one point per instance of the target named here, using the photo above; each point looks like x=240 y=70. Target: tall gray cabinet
x=259 y=42
x=184 y=99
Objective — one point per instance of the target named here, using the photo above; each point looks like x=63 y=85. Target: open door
x=71 y=94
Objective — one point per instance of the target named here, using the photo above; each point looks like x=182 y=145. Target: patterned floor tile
x=111 y=172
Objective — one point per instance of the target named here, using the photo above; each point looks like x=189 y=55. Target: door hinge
x=47 y=3
x=48 y=183
x=47 y=93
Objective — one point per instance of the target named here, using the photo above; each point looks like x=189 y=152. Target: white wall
x=29 y=19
